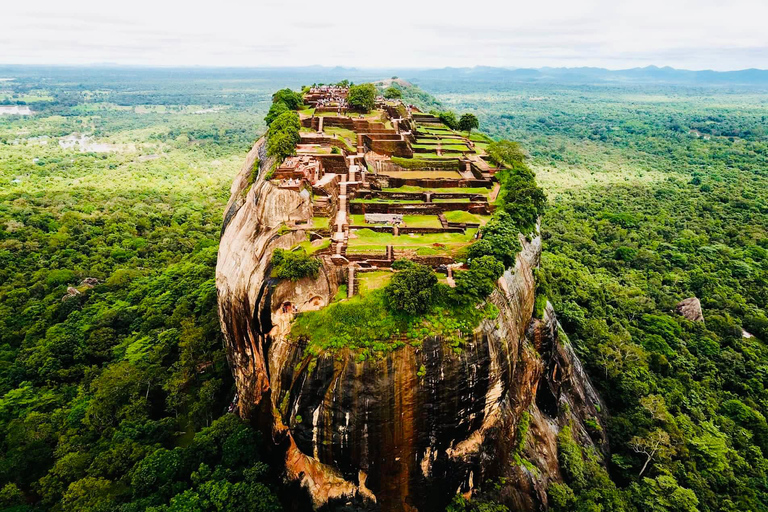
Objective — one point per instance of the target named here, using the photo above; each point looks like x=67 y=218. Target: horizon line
x=359 y=68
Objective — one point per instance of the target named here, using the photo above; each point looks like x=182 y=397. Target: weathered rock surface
x=408 y=430
x=690 y=308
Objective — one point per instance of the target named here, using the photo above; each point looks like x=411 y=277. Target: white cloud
x=398 y=33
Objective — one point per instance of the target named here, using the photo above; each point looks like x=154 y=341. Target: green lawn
x=467 y=190
x=422 y=221
x=348 y=136
x=368 y=241
x=424 y=174
x=369 y=281
x=383 y=200
x=462 y=216
x=364 y=322
x=317 y=245
x=320 y=222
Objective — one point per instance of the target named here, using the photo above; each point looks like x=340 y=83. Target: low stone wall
x=383 y=135
x=425 y=231
x=482 y=208
x=395 y=182
x=366 y=257
x=431 y=261
x=420 y=196
x=421 y=165
x=407 y=230
x=373 y=227
x=464 y=225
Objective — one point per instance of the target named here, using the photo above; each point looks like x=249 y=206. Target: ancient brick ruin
x=395 y=171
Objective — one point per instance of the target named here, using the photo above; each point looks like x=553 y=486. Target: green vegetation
x=421 y=221
x=393 y=93
x=283 y=101
x=292 y=100
x=411 y=290
x=362 y=97
x=115 y=399
x=505 y=152
x=366 y=323
x=419 y=163
x=478 y=282
x=369 y=241
x=500 y=240
x=468 y=122
x=370 y=281
x=462 y=216
x=657 y=193
x=312 y=247
x=448 y=118
x=320 y=222
x=294 y=265
x=454 y=190
x=283 y=135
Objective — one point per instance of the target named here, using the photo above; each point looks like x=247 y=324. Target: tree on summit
x=362 y=96
x=468 y=122
x=393 y=93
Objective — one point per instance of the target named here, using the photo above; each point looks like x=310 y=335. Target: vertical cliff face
x=410 y=429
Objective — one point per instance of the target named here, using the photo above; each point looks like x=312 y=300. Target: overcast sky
x=700 y=34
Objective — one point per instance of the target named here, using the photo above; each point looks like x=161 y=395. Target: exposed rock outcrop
x=408 y=430
x=690 y=308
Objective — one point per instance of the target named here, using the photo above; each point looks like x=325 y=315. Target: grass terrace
x=348 y=136
x=313 y=247
x=369 y=281
x=462 y=216
x=455 y=190
x=416 y=175
x=366 y=241
x=382 y=200
x=320 y=222
x=422 y=221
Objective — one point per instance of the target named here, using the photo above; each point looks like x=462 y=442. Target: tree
x=654 y=445
x=283 y=135
x=412 y=290
x=287 y=122
x=506 y=152
x=393 y=93
x=479 y=281
x=275 y=110
x=291 y=99
x=449 y=119
x=281 y=145
x=468 y=122
x=499 y=240
x=362 y=97
x=663 y=494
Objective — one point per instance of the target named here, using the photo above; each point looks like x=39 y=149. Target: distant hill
x=320 y=74
x=650 y=74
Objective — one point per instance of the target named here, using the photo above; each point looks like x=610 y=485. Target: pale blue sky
x=701 y=34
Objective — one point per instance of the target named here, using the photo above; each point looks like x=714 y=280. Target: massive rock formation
x=410 y=429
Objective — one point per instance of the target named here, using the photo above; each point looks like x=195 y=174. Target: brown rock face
x=691 y=309
x=410 y=429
